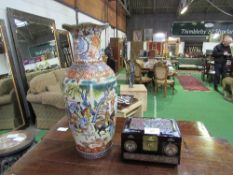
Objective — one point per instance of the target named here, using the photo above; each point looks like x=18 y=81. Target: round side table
x=12 y=146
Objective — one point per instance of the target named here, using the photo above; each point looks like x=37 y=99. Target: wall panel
x=94 y=8
x=103 y=10
x=111 y=18
x=121 y=22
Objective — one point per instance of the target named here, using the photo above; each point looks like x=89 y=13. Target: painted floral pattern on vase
x=90 y=95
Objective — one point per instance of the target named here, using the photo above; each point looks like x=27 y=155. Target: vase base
x=94 y=155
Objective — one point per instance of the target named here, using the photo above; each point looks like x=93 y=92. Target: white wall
x=208 y=46
x=181 y=48
x=46 y=8
x=121 y=34
x=110 y=33
x=145 y=45
x=129 y=50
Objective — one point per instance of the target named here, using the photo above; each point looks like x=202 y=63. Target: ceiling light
x=183 y=10
x=184 y=5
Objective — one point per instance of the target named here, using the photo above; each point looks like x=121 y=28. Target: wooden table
x=56 y=154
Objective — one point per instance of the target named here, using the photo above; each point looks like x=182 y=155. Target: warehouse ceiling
x=173 y=6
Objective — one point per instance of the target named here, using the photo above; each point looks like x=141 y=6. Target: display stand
x=134 y=109
x=139 y=91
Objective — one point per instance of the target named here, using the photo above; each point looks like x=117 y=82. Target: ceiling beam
x=124 y=6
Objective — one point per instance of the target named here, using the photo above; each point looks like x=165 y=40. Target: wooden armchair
x=141 y=64
x=138 y=76
x=160 y=78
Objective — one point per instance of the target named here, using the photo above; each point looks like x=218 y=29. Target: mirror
x=64 y=48
x=173 y=47
x=35 y=42
x=11 y=114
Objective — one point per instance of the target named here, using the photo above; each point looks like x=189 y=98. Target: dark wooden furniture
x=117 y=50
x=56 y=154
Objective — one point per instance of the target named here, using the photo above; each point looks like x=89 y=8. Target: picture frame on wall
x=148 y=34
x=137 y=35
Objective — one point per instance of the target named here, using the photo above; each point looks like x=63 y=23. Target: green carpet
x=41 y=134
x=4 y=131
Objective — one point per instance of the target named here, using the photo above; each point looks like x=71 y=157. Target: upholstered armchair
x=138 y=76
x=160 y=78
x=46 y=97
x=142 y=66
x=9 y=111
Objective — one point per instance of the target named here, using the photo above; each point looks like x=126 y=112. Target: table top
x=56 y=154
x=135 y=88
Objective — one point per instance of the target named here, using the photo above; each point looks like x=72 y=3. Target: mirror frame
x=60 y=32
x=11 y=13
x=24 y=86
x=11 y=65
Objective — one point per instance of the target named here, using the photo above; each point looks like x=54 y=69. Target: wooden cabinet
x=136 y=47
x=117 y=50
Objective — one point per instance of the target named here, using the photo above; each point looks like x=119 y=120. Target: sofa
x=9 y=109
x=31 y=75
x=46 y=97
x=190 y=63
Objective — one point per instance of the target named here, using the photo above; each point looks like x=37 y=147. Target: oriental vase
x=90 y=93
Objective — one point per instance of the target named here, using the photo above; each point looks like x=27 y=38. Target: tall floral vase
x=90 y=95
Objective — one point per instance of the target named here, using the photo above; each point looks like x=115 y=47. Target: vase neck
x=87 y=44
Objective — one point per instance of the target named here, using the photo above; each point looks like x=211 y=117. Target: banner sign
x=201 y=28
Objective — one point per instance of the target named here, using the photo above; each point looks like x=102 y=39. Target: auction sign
x=202 y=28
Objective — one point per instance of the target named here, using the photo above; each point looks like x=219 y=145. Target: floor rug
x=192 y=84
